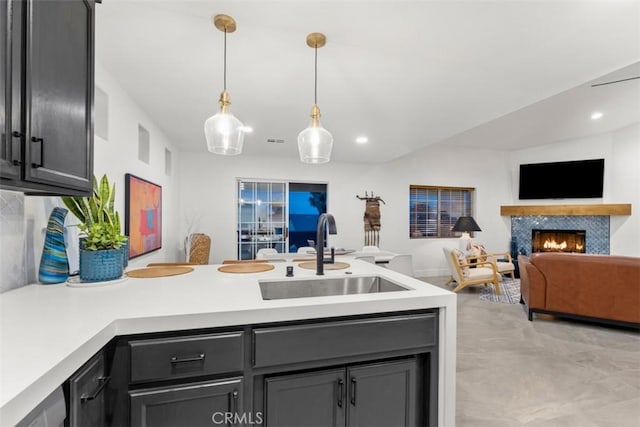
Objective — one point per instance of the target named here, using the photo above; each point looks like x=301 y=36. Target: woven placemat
x=245 y=268
x=334 y=266
x=159 y=271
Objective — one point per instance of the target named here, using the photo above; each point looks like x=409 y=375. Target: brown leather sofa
x=604 y=288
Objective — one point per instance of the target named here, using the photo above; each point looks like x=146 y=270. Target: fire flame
x=552 y=244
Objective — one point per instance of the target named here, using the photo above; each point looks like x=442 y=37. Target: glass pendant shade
x=224 y=133
x=315 y=143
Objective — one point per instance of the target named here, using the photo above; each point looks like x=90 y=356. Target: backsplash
x=13 y=239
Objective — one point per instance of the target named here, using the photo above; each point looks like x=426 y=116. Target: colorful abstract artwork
x=143 y=215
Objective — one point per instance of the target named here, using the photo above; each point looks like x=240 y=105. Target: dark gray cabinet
x=200 y=404
x=364 y=371
x=48 y=80
x=309 y=399
x=10 y=60
x=187 y=380
x=382 y=394
x=87 y=394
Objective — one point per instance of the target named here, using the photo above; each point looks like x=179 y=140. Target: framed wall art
x=143 y=215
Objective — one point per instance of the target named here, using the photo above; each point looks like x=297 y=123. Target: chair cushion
x=461 y=261
x=504 y=267
x=478 y=250
x=480 y=273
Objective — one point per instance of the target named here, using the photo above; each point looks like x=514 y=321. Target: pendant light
x=315 y=142
x=224 y=132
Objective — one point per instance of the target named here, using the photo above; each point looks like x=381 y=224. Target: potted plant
x=102 y=245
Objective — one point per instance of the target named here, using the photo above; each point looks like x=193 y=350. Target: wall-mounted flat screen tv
x=562 y=180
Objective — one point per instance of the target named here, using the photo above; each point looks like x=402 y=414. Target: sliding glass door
x=306 y=203
x=278 y=215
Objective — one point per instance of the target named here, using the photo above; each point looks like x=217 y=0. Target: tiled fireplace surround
x=596 y=227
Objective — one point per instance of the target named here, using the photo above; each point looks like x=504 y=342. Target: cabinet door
x=200 y=404
x=59 y=93
x=310 y=399
x=10 y=104
x=87 y=394
x=383 y=394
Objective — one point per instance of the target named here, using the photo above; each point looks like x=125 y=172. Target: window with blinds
x=434 y=210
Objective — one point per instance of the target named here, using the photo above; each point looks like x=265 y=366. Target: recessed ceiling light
x=596 y=115
x=362 y=140
x=247 y=129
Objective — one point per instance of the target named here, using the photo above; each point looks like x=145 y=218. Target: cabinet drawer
x=321 y=341
x=189 y=356
x=197 y=404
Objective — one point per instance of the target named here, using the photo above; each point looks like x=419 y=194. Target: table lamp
x=465 y=224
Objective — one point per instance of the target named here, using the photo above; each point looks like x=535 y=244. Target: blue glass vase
x=54 y=265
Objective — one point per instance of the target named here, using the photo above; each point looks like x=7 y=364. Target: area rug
x=509 y=292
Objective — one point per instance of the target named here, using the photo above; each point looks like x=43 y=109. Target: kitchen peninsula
x=49 y=332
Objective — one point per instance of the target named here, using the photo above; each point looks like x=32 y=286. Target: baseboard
x=432 y=272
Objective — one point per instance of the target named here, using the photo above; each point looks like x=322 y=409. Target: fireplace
x=558 y=241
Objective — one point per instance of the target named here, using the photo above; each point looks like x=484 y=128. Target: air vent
x=275 y=141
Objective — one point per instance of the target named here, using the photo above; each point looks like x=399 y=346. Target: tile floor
x=549 y=372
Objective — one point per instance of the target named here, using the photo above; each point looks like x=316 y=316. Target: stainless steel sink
x=282 y=289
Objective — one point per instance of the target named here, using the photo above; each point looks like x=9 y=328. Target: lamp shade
x=466 y=224
x=315 y=144
x=224 y=134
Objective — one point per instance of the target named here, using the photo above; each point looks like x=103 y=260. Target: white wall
x=208 y=197
x=115 y=157
x=621 y=151
x=625 y=188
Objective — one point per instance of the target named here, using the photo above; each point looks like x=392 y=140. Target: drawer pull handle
x=198 y=358
x=340 y=392
x=102 y=382
x=353 y=391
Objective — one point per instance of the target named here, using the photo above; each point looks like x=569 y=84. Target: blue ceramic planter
x=99 y=266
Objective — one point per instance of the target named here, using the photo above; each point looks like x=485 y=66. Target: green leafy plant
x=100 y=223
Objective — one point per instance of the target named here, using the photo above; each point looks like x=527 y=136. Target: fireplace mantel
x=566 y=210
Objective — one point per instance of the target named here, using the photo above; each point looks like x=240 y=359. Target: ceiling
x=407 y=74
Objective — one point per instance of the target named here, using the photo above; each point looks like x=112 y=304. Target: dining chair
x=306 y=250
x=370 y=249
x=262 y=253
x=367 y=258
x=482 y=273
x=402 y=264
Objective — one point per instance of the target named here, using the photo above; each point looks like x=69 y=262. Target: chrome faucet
x=322 y=220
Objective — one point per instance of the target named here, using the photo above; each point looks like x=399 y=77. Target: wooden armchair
x=485 y=272
x=502 y=260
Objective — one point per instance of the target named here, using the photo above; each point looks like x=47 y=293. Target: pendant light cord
x=225 y=59
x=315 y=83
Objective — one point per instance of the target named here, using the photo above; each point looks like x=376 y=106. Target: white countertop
x=48 y=331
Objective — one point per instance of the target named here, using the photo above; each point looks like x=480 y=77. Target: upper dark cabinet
x=48 y=80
